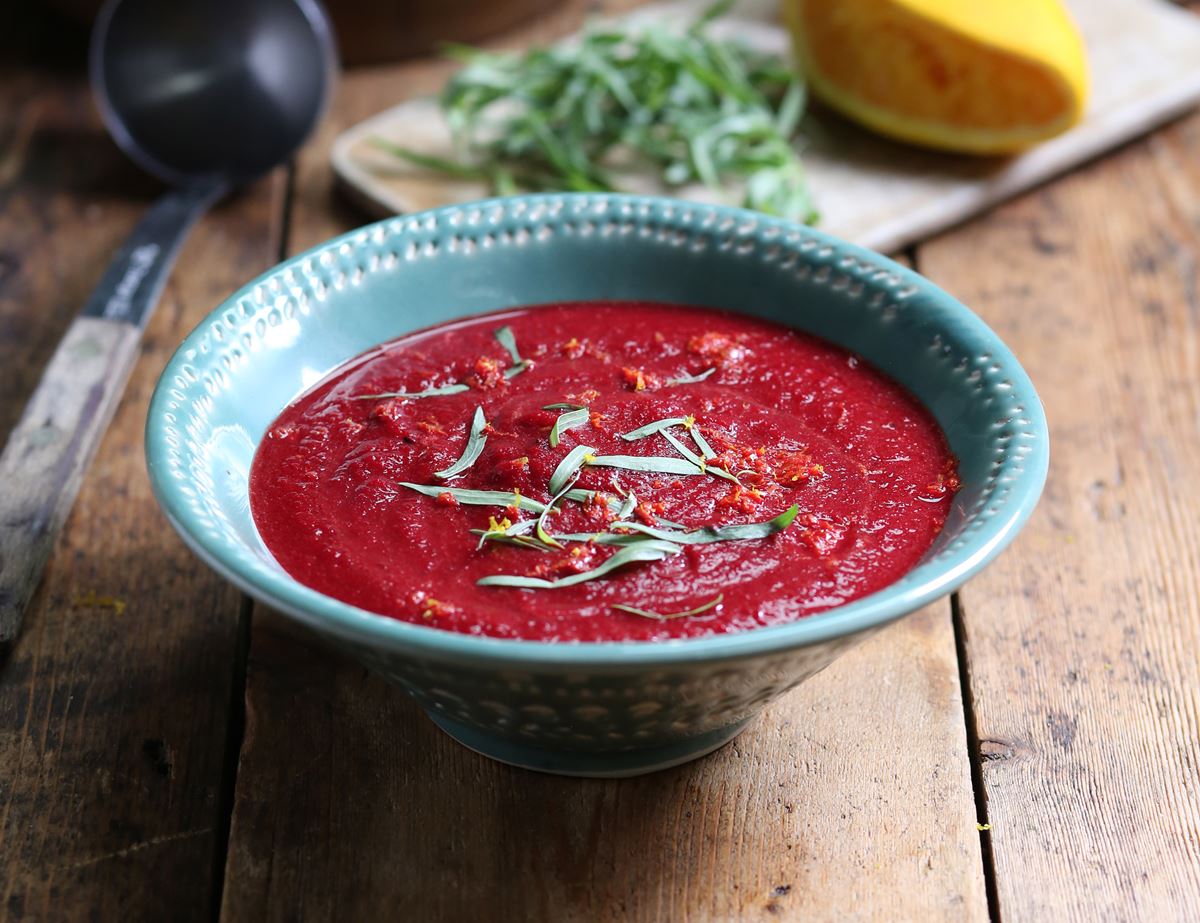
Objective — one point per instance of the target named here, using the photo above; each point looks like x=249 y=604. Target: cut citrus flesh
x=980 y=76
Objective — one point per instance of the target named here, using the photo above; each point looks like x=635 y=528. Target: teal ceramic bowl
x=605 y=709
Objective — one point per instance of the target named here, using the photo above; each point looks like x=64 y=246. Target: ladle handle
x=48 y=451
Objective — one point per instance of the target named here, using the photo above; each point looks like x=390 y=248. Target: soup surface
x=602 y=471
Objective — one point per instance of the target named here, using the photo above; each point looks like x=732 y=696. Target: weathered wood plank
x=46 y=455
x=850 y=799
x=114 y=701
x=1083 y=638
x=57 y=172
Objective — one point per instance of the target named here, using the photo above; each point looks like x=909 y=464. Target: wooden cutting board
x=1145 y=64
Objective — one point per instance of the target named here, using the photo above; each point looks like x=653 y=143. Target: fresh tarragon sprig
x=691 y=107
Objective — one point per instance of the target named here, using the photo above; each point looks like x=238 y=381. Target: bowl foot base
x=611 y=765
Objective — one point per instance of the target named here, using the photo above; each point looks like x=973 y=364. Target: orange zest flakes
x=445 y=498
x=432 y=607
x=821 y=535
x=797 y=468
x=596 y=419
x=587 y=396
x=741 y=499
x=717 y=348
x=432 y=427
x=513 y=510
x=388 y=411
x=640 y=380
x=487 y=373
x=428 y=606
x=514 y=465
x=945 y=483
x=647 y=512
x=575 y=561
x=635 y=378
x=573 y=349
x=596 y=508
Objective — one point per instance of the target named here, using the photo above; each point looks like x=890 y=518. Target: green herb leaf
x=709 y=534
x=651 y=550
x=566 y=421
x=627 y=506
x=651 y=428
x=477 y=497
x=645 y=463
x=475 y=443
x=565 y=407
x=541 y=520
x=696 y=460
x=512 y=534
x=568 y=467
x=684 y=450
x=504 y=336
x=428 y=162
x=701 y=442
x=412 y=395
x=521 y=541
x=600 y=538
x=690 y=379
x=647 y=613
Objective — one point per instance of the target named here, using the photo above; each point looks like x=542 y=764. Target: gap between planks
x=1082 y=637
x=236 y=723
x=912 y=255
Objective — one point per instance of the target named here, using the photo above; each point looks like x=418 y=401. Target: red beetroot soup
x=366 y=488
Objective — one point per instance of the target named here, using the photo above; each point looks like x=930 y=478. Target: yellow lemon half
x=981 y=76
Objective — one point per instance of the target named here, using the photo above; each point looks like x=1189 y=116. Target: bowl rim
x=332 y=616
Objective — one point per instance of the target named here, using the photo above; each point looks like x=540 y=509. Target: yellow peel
x=977 y=76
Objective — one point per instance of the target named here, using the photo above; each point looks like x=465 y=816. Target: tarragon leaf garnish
x=650 y=550
x=566 y=421
x=413 y=395
x=686 y=379
x=475 y=443
x=708 y=534
x=568 y=467
x=478 y=497
x=650 y=614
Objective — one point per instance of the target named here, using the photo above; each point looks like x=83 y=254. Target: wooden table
x=1027 y=750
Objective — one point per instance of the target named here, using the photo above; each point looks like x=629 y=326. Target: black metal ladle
x=206 y=95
